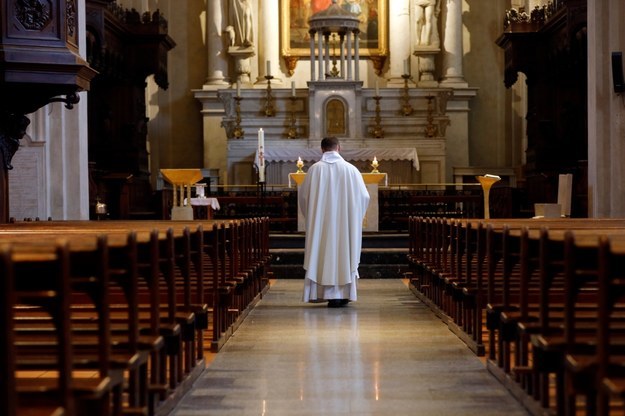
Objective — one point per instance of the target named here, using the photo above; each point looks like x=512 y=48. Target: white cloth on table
x=281 y=154
x=204 y=202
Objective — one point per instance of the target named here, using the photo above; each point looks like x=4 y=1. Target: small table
x=181 y=178
x=203 y=207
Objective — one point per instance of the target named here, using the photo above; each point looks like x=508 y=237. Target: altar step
x=383 y=255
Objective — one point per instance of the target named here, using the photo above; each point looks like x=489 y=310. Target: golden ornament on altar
x=299 y=165
x=375 y=165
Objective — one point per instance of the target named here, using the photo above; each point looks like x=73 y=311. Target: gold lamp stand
x=487 y=182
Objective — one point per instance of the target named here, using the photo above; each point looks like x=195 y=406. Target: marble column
x=217 y=58
x=399 y=43
x=269 y=40
x=453 y=52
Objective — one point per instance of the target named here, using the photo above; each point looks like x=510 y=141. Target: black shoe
x=343 y=302
x=334 y=303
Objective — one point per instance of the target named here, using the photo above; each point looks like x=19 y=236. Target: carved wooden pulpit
x=39 y=64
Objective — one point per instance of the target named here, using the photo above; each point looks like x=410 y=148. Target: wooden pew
x=535 y=302
x=42 y=276
x=178 y=261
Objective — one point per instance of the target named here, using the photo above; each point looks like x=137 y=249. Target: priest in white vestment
x=333 y=200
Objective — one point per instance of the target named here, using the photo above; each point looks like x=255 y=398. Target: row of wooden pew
x=111 y=317
x=544 y=300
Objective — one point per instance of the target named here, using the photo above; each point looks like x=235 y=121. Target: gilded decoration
x=294 y=30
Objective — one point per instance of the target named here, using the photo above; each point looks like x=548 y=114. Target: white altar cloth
x=273 y=154
x=204 y=202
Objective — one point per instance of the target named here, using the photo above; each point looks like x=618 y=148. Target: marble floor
x=386 y=354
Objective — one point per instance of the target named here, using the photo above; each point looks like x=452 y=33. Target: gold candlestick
x=238 y=131
x=406 y=107
x=269 y=108
x=378 y=132
x=299 y=165
x=375 y=165
x=430 y=128
x=292 y=133
x=487 y=182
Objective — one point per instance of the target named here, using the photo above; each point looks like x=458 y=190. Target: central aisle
x=386 y=354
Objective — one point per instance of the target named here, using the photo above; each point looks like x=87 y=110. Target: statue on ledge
x=241 y=28
x=426 y=12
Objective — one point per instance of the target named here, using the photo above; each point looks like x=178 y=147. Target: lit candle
x=268 y=68
x=407 y=66
x=238 y=88
x=375 y=160
x=261 y=155
x=292 y=88
x=377 y=88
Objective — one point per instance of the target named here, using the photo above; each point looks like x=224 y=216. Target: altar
x=372 y=181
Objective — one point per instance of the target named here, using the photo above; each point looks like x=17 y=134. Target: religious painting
x=294 y=36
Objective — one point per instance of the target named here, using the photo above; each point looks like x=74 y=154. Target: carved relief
x=33 y=14
x=70 y=13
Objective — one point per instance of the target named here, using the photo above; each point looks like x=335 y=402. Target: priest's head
x=329 y=144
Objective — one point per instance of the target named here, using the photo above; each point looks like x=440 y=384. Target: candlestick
x=292 y=132
x=406 y=107
x=238 y=131
x=375 y=165
x=378 y=132
x=269 y=109
x=300 y=165
x=261 y=155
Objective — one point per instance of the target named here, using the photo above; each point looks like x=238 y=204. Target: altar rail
x=396 y=203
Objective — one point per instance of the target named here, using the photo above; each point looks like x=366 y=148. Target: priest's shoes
x=337 y=303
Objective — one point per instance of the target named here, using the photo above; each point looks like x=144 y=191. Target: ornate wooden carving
x=39 y=64
x=125 y=47
x=552 y=55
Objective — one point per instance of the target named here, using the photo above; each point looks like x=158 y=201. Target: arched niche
x=335 y=119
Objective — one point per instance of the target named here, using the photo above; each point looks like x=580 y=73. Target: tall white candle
x=238 y=88
x=407 y=66
x=268 y=67
x=261 y=155
x=377 y=88
x=292 y=88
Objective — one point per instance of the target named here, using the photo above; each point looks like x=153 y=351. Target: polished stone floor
x=386 y=354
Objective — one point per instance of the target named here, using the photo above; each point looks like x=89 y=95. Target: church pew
x=510 y=292
x=125 y=224
x=150 y=243
x=42 y=276
x=610 y=367
x=63 y=229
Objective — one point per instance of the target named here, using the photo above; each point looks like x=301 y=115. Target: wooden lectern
x=372 y=180
x=181 y=179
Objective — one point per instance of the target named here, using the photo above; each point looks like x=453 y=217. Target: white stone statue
x=241 y=28
x=426 y=12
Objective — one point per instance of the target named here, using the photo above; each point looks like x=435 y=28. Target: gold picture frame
x=295 y=40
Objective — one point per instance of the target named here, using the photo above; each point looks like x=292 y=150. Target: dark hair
x=329 y=143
